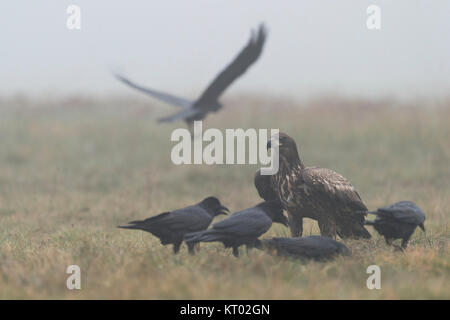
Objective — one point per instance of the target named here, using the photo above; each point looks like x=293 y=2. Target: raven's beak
x=422 y=227
x=223 y=210
x=269 y=144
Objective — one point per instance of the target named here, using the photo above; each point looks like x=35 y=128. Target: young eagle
x=316 y=193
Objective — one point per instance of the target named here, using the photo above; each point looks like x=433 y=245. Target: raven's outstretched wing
x=182 y=115
x=176 y=101
x=240 y=64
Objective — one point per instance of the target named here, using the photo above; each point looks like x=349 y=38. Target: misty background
x=313 y=47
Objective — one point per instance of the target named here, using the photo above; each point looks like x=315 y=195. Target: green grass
x=71 y=170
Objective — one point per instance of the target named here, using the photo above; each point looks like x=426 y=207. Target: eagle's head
x=286 y=146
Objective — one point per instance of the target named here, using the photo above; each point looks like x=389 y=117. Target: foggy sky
x=180 y=46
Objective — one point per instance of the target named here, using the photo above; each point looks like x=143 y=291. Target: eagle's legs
x=327 y=228
x=295 y=224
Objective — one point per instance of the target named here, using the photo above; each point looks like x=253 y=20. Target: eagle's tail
x=361 y=232
x=355 y=231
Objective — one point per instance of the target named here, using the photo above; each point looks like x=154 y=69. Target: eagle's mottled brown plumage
x=317 y=193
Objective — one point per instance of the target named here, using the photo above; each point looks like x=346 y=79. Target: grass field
x=73 y=169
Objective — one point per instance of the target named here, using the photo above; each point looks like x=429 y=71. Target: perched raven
x=242 y=227
x=313 y=247
x=398 y=221
x=208 y=101
x=264 y=187
x=170 y=227
x=316 y=193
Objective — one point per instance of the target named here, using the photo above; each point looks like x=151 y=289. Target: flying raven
x=242 y=227
x=398 y=221
x=313 y=247
x=316 y=193
x=208 y=100
x=170 y=227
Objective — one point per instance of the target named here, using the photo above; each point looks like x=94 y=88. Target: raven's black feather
x=242 y=227
x=170 y=227
x=398 y=221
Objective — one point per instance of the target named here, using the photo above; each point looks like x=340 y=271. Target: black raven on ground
x=209 y=99
x=398 y=221
x=264 y=186
x=242 y=227
x=316 y=193
x=306 y=248
x=170 y=227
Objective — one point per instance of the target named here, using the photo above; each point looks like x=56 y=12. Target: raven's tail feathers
x=132 y=226
x=202 y=236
